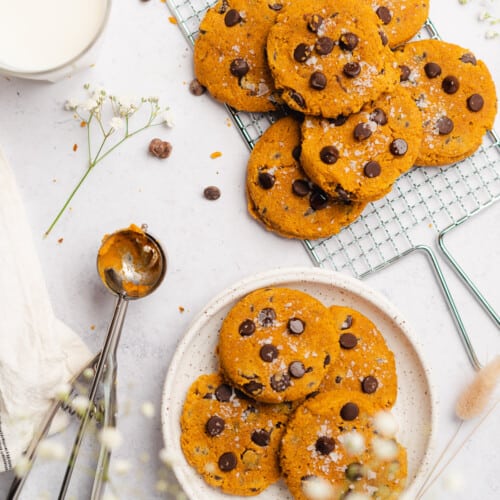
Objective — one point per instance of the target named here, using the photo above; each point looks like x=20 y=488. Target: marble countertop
x=211 y=245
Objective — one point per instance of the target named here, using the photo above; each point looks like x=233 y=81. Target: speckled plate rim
x=300 y=277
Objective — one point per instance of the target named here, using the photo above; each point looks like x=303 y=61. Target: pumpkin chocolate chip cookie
x=276 y=344
x=317 y=450
x=281 y=196
x=328 y=58
x=231 y=440
x=229 y=53
x=360 y=157
x=456 y=97
x=365 y=364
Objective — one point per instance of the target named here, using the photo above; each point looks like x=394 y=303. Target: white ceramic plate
x=195 y=355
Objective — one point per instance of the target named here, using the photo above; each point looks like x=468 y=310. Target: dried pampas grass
x=477 y=395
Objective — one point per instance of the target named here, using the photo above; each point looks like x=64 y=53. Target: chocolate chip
x=214 y=426
x=297 y=150
x=432 y=70
x=348 y=41
x=384 y=14
x=343 y=194
x=300 y=188
x=275 y=6
x=338 y=379
x=312 y=394
x=325 y=445
x=398 y=147
x=314 y=23
x=468 y=57
x=297 y=369
x=326 y=361
x=372 y=169
x=261 y=437
x=253 y=387
x=297 y=98
x=232 y=18
x=239 y=67
x=450 y=84
x=267 y=316
x=369 y=384
x=317 y=81
x=405 y=73
x=302 y=52
x=338 y=121
x=280 y=382
x=352 y=69
x=378 y=116
x=160 y=149
x=444 y=125
x=246 y=328
x=196 y=88
x=349 y=411
x=223 y=393
x=296 y=326
x=227 y=461
x=266 y=180
x=324 y=45
x=362 y=131
x=348 y=341
x=383 y=37
x=318 y=199
x=354 y=471
x=329 y=155
x=211 y=193
x=347 y=323
x=475 y=103
x=268 y=353
x=223 y=7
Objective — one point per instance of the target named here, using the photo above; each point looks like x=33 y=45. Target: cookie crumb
x=172 y=20
x=215 y=154
x=181 y=309
x=75 y=147
x=60 y=240
x=92 y=327
x=196 y=88
x=160 y=149
x=211 y=193
x=83 y=123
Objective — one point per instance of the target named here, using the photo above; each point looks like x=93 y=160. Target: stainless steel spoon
x=131 y=264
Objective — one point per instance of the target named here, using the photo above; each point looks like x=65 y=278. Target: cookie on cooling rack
x=229 y=53
x=276 y=344
x=456 y=97
x=231 y=440
x=318 y=450
x=401 y=19
x=328 y=58
x=360 y=157
x=365 y=363
x=281 y=196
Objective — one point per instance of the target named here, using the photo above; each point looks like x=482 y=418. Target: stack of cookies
x=297 y=396
x=364 y=105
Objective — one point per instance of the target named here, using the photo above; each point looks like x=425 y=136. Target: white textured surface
x=211 y=245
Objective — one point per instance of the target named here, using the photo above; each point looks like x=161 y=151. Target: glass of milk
x=50 y=39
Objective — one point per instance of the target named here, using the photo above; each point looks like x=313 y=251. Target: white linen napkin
x=37 y=351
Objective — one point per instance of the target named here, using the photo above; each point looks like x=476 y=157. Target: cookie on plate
x=229 y=53
x=281 y=196
x=456 y=97
x=328 y=58
x=231 y=440
x=365 y=363
x=401 y=19
x=275 y=344
x=360 y=157
x=330 y=445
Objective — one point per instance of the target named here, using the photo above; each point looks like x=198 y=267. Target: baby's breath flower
x=490 y=34
x=90 y=105
x=483 y=15
x=88 y=373
x=162 y=486
x=23 y=466
x=122 y=466
x=71 y=104
x=354 y=443
x=51 y=450
x=148 y=409
x=385 y=449
x=80 y=404
x=116 y=123
x=61 y=392
x=168 y=118
x=317 y=488
x=110 y=438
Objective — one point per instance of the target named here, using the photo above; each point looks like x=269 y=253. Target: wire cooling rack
x=389 y=228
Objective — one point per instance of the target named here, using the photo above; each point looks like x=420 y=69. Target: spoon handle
x=112 y=339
